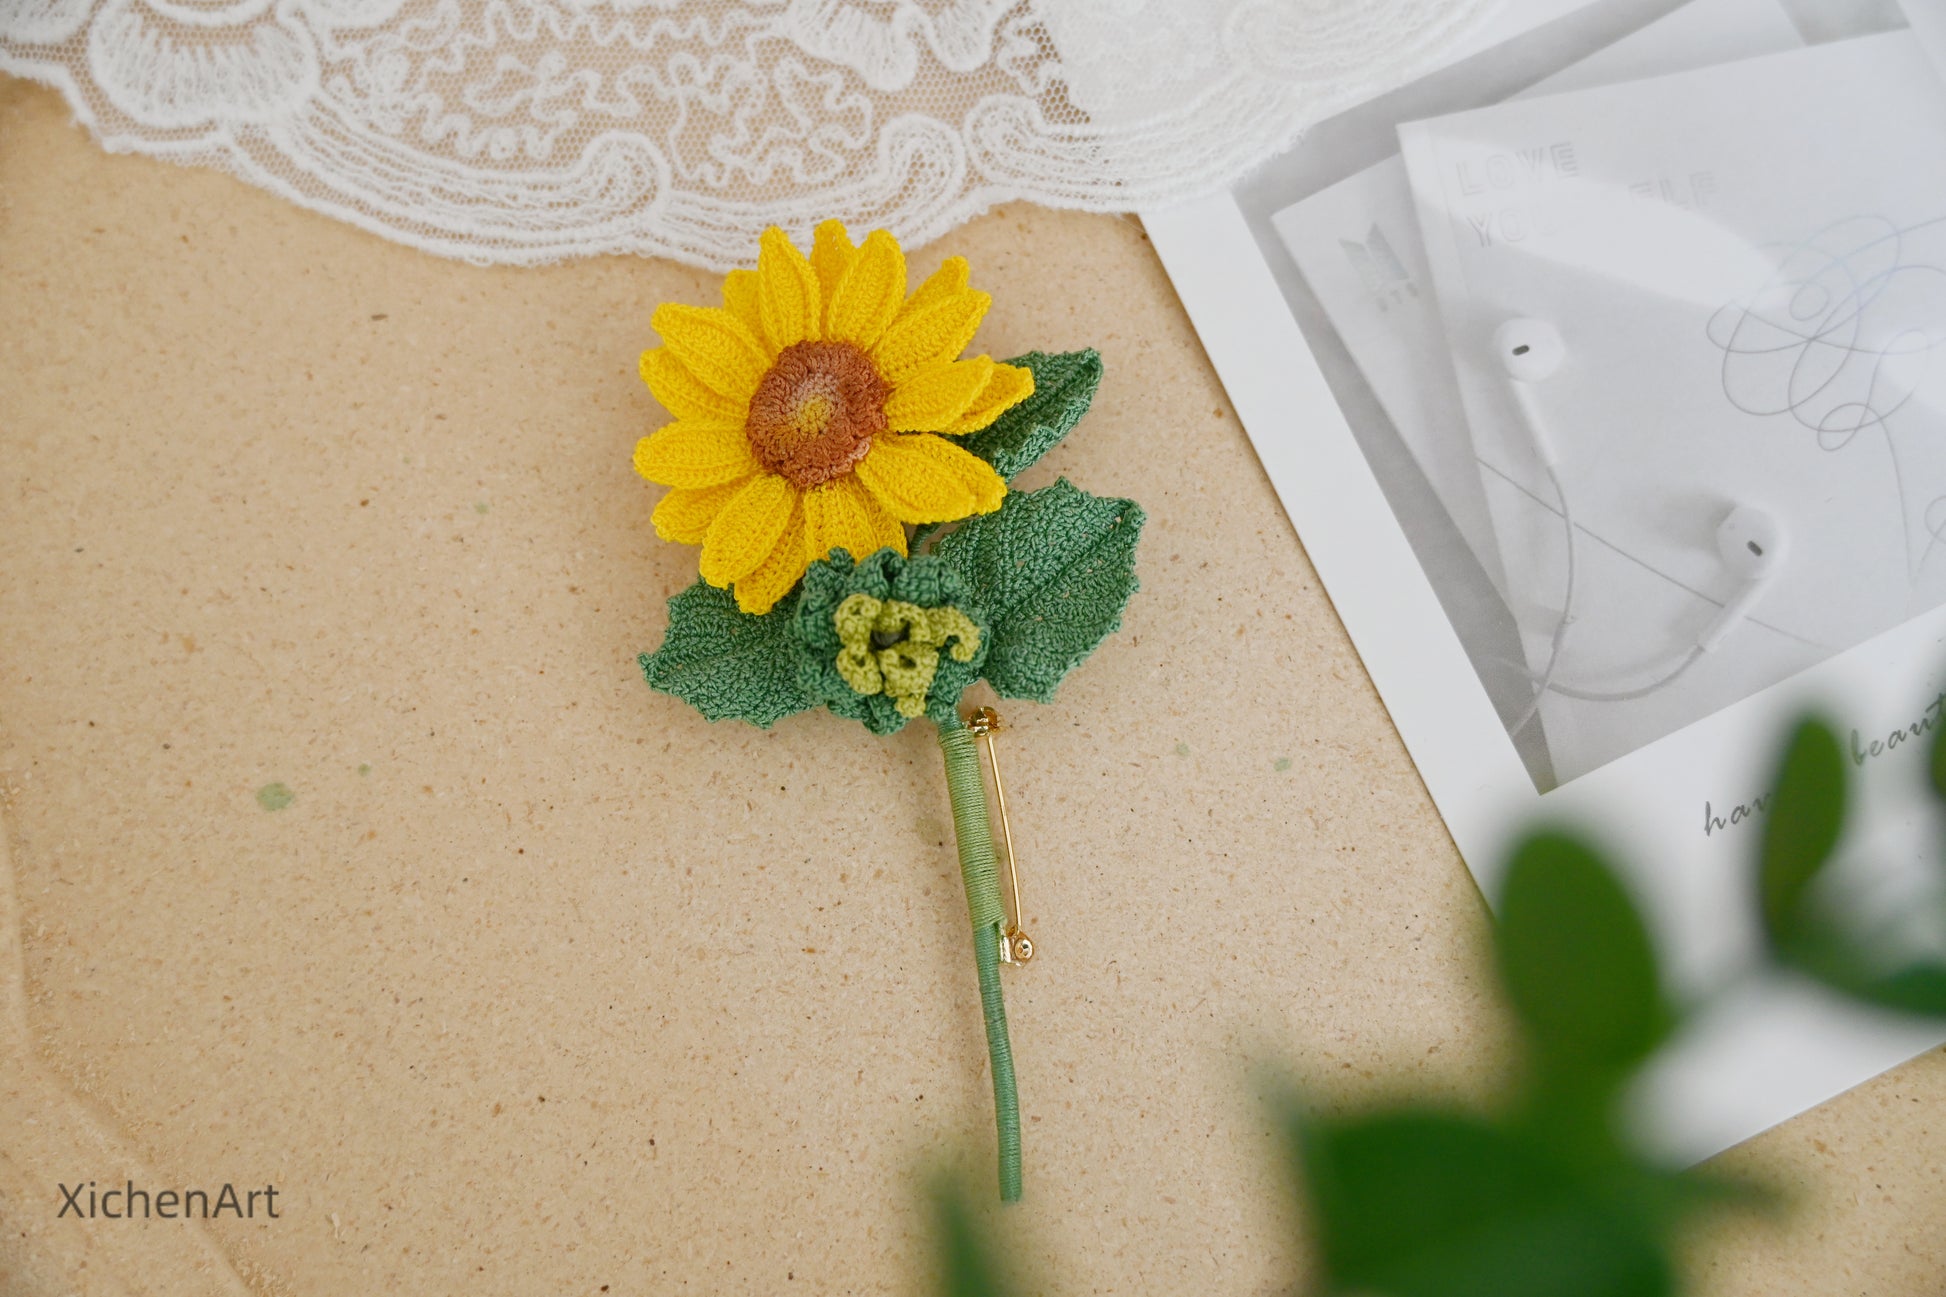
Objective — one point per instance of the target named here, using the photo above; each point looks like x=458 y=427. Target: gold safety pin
x=1016 y=947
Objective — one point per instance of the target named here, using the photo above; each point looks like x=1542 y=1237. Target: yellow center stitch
x=892 y=647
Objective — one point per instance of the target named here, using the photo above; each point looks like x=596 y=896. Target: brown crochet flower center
x=816 y=411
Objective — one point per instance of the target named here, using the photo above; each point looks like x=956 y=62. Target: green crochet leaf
x=1064 y=385
x=726 y=663
x=1053 y=569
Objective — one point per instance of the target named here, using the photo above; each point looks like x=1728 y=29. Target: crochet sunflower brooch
x=846 y=471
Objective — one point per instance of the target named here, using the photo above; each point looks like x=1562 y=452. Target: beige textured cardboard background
x=543 y=985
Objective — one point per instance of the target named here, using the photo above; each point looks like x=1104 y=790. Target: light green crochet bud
x=889 y=638
x=892 y=647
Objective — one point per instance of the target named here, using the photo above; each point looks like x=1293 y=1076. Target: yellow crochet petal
x=934 y=398
x=844 y=514
x=930 y=335
x=947 y=281
x=789 y=298
x=928 y=479
x=713 y=345
x=773 y=578
x=683 y=394
x=891 y=533
x=740 y=300
x=684 y=515
x=1007 y=387
x=869 y=295
x=832 y=253
x=748 y=529
x=691 y=452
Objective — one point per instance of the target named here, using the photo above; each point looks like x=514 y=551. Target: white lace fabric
x=526 y=131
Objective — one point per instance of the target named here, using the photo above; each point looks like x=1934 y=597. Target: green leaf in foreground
x=1577 y=962
x=1867 y=974
x=1064 y=386
x=1807 y=814
x=726 y=663
x=1054 y=569
x=969 y=1261
x=1425 y=1203
x=1936 y=768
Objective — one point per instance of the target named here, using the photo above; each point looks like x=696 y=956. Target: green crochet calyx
x=888 y=638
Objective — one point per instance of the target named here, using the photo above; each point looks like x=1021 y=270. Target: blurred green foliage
x=1547 y=1197
x=969 y=1263
x=1804 y=929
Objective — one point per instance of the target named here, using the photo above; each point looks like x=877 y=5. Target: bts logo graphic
x=1385 y=276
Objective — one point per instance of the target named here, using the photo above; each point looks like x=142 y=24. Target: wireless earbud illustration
x=1753 y=545
x=1531 y=352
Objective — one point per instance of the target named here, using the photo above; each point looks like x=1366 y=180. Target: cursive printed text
x=1862 y=750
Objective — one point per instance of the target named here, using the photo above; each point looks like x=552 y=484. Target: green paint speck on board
x=364 y=768
x=1281 y=764
x=479 y=506
x=1182 y=749
x=275 y=797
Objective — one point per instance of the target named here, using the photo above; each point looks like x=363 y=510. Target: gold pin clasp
x=1016 y=947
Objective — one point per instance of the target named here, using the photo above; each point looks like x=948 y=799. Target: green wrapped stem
x=978 y=867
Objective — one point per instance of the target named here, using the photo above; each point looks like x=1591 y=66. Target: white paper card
x=1358 y=244
x=1681 y=813
x=1748 y=266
